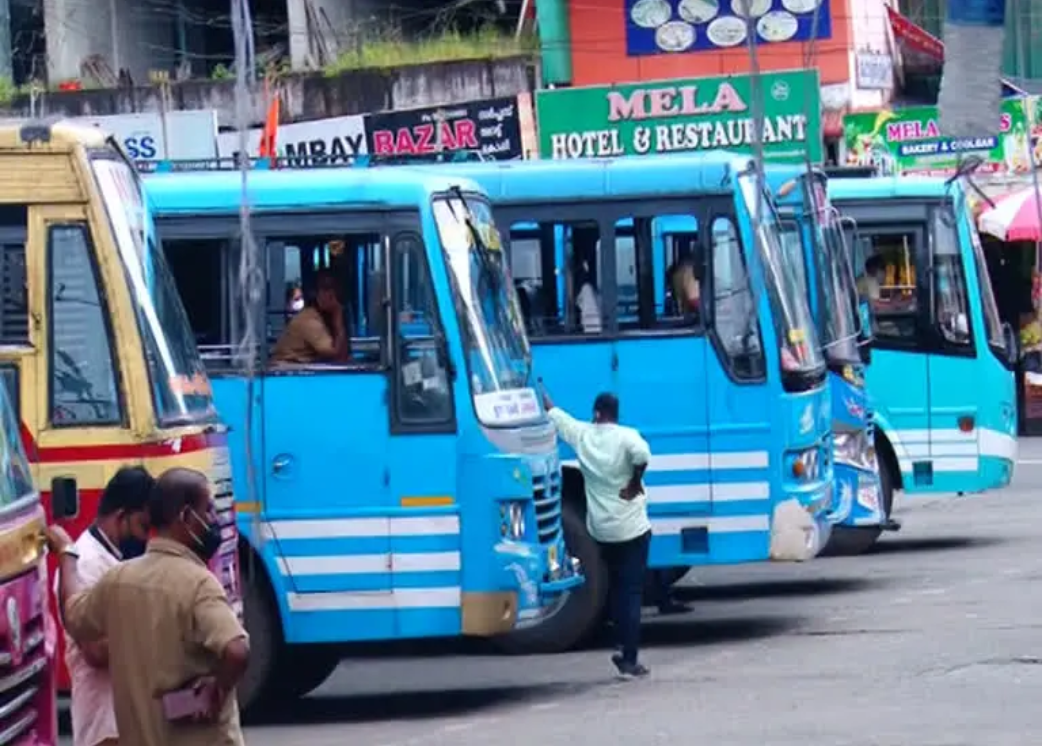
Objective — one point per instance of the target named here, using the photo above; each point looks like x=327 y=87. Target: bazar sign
x=908 y=141
x=490 y=127
x=682 y=115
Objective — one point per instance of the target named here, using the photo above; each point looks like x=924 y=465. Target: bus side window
x=423 y=396
x=14 y=296
x=83 y=378
x=949 y=286
x=556 y=270
x=354 y=261
x=888 y=282
x=734 y=306
x=659 y=272
x=199 y=269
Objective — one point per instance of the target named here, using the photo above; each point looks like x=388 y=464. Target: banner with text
x=682 y=115
x=909 y=141
x=184 y=136
x=321 y=142
x=490 y=127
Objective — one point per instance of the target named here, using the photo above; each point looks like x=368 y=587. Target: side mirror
x=65 y=498
x=1011 y=344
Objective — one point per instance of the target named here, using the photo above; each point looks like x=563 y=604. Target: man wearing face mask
x=119 y=533
x=176 y=648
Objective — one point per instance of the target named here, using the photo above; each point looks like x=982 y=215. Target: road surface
x=932 y=640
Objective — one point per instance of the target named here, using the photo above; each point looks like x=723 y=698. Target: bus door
x=555 y=256
x=326 y=430
x=893 y=279
x=660 y=354
x=953 y=364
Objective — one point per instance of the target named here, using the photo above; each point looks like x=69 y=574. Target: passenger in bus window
x=684 y=287
x=319 y=333
x=294 y=299
x=587 y=302
x=871 y=282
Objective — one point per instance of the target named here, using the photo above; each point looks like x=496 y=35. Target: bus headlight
x=851 y=448
x=805 y=464
x=512 y=520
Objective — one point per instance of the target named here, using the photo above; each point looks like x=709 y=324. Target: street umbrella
x=1016 y=217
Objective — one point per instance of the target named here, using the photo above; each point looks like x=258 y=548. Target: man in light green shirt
x=613 y=459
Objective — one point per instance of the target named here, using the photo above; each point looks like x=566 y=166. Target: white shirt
x=607 y=455
x=589 y=309
x=93 y=717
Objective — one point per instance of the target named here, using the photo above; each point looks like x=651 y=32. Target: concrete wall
x=308 y=97
x=134 y=34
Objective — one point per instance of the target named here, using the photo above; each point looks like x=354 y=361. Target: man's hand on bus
x=57 y=538
x=548 y=405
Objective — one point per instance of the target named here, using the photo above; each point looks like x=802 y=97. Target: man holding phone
x=176 y=649
x=613 y=459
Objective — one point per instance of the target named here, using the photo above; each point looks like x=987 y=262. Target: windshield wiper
x=484 y=254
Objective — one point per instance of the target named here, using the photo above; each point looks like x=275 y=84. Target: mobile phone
x=188 y=702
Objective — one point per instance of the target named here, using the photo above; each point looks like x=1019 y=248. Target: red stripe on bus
x=121 y=451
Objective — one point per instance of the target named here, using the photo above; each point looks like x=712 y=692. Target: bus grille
x=547 y=500
x=23 y=680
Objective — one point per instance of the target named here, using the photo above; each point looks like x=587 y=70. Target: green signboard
x=909 y=141
x=682 y=115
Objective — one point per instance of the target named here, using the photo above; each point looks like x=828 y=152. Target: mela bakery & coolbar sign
x=682 y=115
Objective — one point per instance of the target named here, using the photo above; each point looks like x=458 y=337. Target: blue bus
x=813 y=233
x=409 y=489
x=941 y=380
x=727 y=383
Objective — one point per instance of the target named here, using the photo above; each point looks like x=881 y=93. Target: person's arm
x=639 y=454
x=82 y=609
x=341 y=338
x=569 y=428
x=216 y=628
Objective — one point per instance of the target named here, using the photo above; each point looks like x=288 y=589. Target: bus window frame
x=939 y=345
x=98 y=275
x=272 y=226
x=897 y=216
x=606 y=214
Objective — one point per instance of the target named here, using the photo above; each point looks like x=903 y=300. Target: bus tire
x=305 y=669
x=673 y=575
x=581 y=611
x=262 y=624
x=851 y=541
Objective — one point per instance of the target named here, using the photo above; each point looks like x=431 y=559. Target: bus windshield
x=799 y=350
x=180 y=387
x=497 y=349
x=15 y=478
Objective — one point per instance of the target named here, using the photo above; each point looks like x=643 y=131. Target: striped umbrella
x=1016 y=217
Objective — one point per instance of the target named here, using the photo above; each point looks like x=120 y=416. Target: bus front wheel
x=578 y=613
x=262 y=624
x=306 y=669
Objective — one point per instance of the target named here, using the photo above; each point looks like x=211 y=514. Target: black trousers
x=626 y=562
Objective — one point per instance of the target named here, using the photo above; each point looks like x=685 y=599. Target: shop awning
x=1015 y=217
x=923 y=53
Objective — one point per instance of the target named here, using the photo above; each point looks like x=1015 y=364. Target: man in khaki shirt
x=167 y=621
x=318 y=333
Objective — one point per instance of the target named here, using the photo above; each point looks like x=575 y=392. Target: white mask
x=297 y=305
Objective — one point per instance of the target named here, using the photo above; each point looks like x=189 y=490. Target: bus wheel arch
x=887 y=461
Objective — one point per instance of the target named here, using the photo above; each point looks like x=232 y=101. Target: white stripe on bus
x=701 y=461
x=400 y=598
x=695 y=493
x=356 y=528
x=713 y=524
x=364 y=564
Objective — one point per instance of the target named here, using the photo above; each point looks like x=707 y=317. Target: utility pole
x=6 y=63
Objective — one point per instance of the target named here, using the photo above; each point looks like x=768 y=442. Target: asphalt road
x=934 y=639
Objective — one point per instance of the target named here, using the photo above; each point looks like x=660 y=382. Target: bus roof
x=890 y=187
x=219 y=191
x=580 y=178
x=61 y=135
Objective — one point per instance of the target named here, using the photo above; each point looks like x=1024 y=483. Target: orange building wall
x=599 y=57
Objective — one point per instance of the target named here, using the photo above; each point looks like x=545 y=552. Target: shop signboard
x=683 y=115
x=187 y=136
x=909 y=141
x=673 y=26
x=490 y=127
x=321 y=142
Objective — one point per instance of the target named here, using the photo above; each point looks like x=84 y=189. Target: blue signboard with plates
x=678 y=26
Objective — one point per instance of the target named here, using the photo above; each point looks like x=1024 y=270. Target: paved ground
x=932 y=640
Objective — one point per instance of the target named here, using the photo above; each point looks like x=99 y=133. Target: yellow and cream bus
x=95 y=347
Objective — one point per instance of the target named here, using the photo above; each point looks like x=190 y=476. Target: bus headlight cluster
x=852 y=448
x=805 y=464
x=512 y=520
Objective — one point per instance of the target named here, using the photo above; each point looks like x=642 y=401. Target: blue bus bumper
x=539 y=574
x=860 y=503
